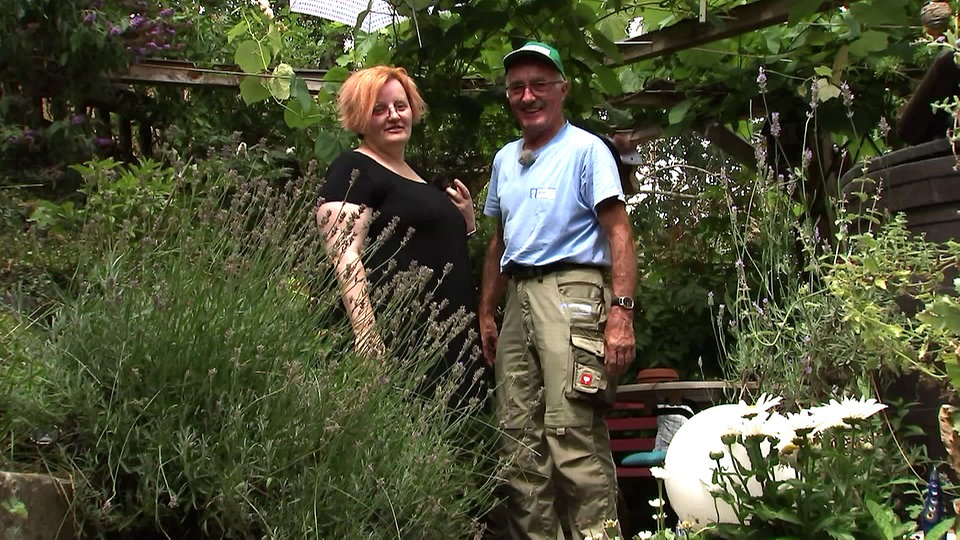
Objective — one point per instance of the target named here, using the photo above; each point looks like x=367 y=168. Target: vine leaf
x=679 y=111
x=870 y=41
x=327 y=146
x=279 y=84
x=241 y=28
x=298 y=116
x=252 y=90
x=802 y=9
x=251 y=57
x=300 y=92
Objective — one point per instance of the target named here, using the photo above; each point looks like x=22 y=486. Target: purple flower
x=152 y=45
x=138 y=21
x=115 y=30
x=77 y=119
x=89 y=17
x=775 y=124
x=103 y=141
x=96 y=4
x=167 y=12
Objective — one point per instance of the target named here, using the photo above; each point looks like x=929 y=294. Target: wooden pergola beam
x=648 y=99
x=187 y=74
x=692 y=33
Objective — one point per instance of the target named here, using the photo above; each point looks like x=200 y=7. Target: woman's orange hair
x=359 y=92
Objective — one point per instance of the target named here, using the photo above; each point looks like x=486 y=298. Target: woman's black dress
x=438 y=240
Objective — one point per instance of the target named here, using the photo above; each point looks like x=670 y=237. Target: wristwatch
x=623 y=301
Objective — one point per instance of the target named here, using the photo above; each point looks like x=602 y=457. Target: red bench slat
x=632 y=444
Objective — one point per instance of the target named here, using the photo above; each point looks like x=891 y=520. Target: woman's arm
x=345 y=227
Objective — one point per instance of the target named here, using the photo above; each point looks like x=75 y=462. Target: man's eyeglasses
x=538 y=88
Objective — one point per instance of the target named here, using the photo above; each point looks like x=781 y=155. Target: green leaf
x=238 y=30
x=379 y=53
x=279 y=84
x=326 y=146
x=252 y=90
x=826 y=91
x=823 y=71
x=881 y=517
x=630 y=81
x=884 y=12
x=251 y=57
x=940 y=529
x=679 y=111
x=773 y=42
x=606 y=45
x=298 y=117
x=608 y=80
x=336 y=74
x=275 y=38
x=953 y=373
x=869 y=42
x=802 y=9
x=300 y=92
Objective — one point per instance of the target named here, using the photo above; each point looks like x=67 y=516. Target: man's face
x=536 y=92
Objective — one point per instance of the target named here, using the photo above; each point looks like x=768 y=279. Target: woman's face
x=392 y=117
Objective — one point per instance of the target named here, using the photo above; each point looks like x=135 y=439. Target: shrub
x=203 y=384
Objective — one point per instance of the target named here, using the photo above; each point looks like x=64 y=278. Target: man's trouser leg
x=520 y=409
x=552 y=389
x=569 y=309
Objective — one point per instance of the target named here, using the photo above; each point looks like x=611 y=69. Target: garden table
x=676 y=392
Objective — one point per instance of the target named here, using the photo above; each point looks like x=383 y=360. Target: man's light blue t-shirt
x=548 y=208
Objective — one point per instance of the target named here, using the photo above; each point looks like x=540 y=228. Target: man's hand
x=489 y=336
x=494 y=285
x=618 y=341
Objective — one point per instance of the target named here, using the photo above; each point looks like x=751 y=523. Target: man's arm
x=619 y=341
x=491 y=291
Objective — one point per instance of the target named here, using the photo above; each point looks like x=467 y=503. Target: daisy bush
x=788 y=473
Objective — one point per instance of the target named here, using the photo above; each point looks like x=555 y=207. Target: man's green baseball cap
x=536 y=50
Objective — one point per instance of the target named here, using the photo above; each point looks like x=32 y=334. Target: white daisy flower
x=764 y=403
x=660 y=472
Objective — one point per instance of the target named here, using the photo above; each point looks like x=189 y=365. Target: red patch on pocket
x=586 y=379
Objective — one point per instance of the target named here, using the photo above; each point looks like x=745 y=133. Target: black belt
x=518 y=271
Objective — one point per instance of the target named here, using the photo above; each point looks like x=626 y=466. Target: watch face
x=624 y=301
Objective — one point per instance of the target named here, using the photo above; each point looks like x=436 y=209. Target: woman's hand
x=460 y=196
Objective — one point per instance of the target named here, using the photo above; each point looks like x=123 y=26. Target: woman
x=373 y=188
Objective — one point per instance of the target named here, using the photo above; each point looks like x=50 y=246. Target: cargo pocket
x=588 y=375
x=582 y=298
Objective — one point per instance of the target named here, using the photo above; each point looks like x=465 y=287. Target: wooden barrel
x=921 y=181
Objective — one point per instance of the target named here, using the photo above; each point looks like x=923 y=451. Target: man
x=562 y=225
